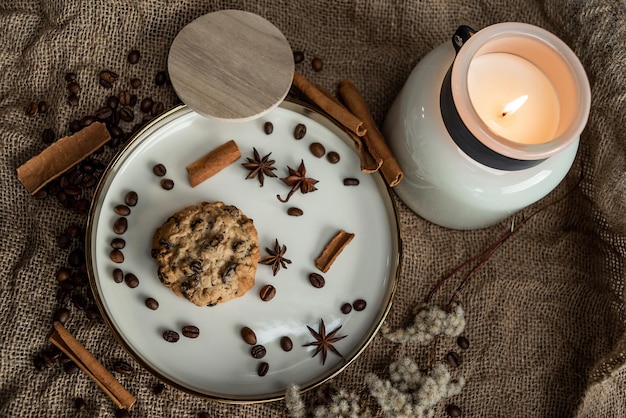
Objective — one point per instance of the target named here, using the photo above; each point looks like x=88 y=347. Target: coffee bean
x=258 y=351
x=79 y=278
x=122 y=367
x=72 y=190
x=131 y=280
x=157 y=109
x=120 y=225
x=39 y=363
x=359 y=304
x=107 y=78
x=124 y=97
x=81 y=205
x=74 y=231
x=298 y=57
x=131 y=198
x=79 y=301
x=76 y=257
x=293 y=211
x=268 y=127
x=122 y=413
x=133 y=56
x=263 y=369
x=63 y=274
x=160 y=78
x=248 y=335
x=122 y=210
x=299 y=131
x=346 y=308
x=317 y=64
x=116 y=132
x=159 y=170
x=317 y=280
x=61 y=315
x=453 y=411
x=73 y=87
x=204 y=415
x=69 y=77
x=79 y=404
x=286 y=344
x=92 y=313
x=73 y=101
x=152 y=303
x=267 y=292
x=158 y=389
x=135 y=83
x=32 y=109
x=118 y=276
x=146 y=105
x=70 y=368
x=48 y=136
x=118 y=243
x=350 y=181
x=453 y=358
x=191 y=331
x=117 y=256
x=463 y=342
x=333 y=157
x=167 y=184
x=113 y=102
x=317 y=149
x=42 y=106
x=171 y=336
x=127 y=114
x=87 y=120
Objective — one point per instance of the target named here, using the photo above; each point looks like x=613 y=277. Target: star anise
x=297 y=179
x=276 y=258
x=260 y=167
x=324 y=342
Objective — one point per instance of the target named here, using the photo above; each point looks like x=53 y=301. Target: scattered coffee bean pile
x=74 y=190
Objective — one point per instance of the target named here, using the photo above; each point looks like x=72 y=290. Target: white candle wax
x=513 y=98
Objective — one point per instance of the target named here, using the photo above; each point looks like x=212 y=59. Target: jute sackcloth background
x=545 y=314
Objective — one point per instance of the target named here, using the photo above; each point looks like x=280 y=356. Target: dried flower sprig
x=429 y=321
x=343 y=404
x=408 y=392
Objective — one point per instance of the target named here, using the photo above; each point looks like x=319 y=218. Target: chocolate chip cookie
x=207 y=253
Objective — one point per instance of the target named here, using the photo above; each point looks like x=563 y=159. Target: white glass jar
x=469 y=161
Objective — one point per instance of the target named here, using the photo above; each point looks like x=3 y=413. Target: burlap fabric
x=545 y=315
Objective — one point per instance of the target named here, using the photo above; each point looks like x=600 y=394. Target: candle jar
x=488 y=124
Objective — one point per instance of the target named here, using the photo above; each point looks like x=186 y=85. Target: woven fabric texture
x=545 y=314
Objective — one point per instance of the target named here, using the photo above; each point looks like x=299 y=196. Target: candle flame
x=514 y=106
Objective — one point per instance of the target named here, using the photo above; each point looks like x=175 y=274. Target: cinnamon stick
x=391 y=171
x=213 y=162
x=332 y=250
x=61 y=156
x=337 y=112
x=368 y=163
x=69 y=345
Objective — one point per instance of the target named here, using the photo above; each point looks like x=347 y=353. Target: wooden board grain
x=231 y=64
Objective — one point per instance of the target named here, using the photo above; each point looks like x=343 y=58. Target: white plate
x=218 y=363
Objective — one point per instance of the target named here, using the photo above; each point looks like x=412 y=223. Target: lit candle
x=513 y=97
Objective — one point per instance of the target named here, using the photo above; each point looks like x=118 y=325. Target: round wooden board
x=231 y=64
